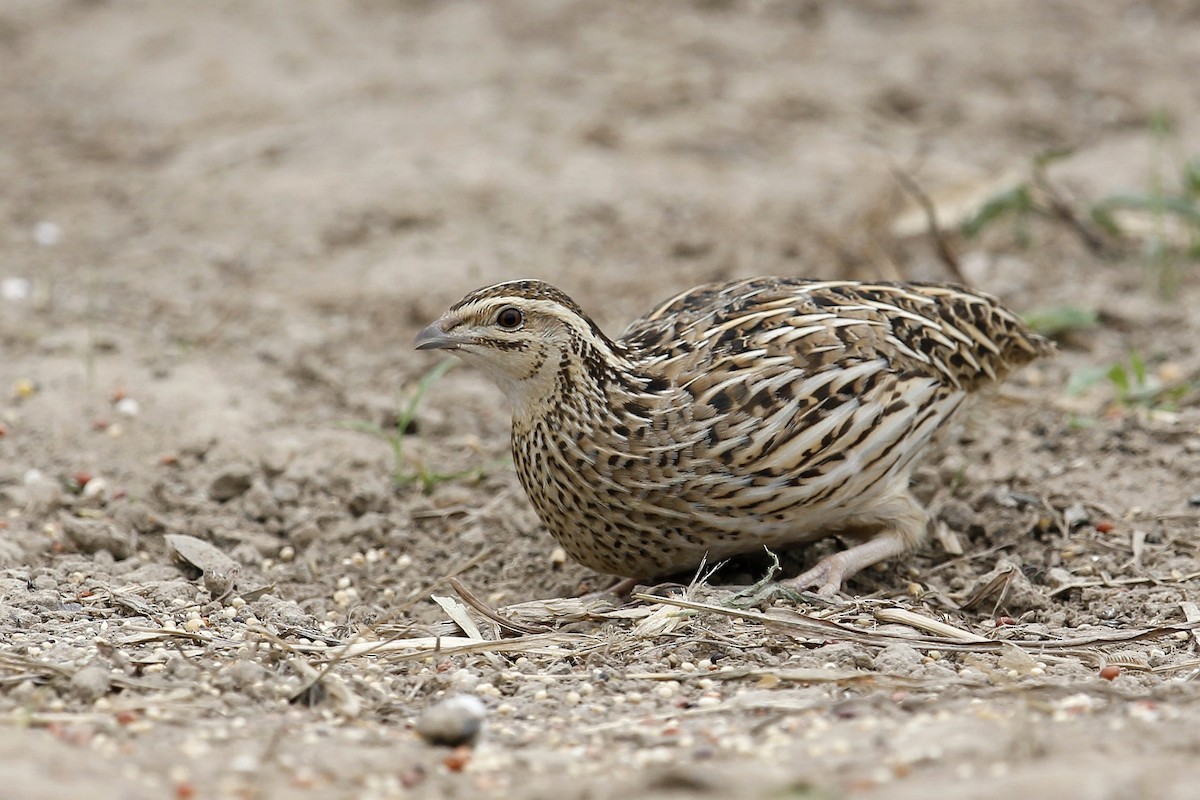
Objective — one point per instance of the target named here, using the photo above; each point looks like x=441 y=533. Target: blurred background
x=295 y=189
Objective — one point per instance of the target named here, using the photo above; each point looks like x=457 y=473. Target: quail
x=767 y=412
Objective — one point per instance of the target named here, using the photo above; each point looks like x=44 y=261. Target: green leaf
x=1119 y=378
x=1048 y=157
x=1011 y=201
x=1103 y=217
x=1157 y=204
x=1053 y=320
x=1085 y=378
x=1191 y=179
x=1162 y=124
x=1139 y=368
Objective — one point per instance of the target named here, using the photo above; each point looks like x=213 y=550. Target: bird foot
x=825 y=578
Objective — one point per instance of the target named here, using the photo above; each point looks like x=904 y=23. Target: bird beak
x=436 y=337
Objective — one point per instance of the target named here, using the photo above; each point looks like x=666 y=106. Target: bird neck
x=582 y=382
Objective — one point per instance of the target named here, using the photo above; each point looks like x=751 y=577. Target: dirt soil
x=224 y=222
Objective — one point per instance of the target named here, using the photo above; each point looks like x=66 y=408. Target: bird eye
x=510 y=318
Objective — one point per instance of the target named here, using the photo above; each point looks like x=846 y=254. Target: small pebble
x=128 y=407
x=96 y=487
x=91 y=683
x=232 y=482
x=47 y=234
x=16 y=289
x=453 y=722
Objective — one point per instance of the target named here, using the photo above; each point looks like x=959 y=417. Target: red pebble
x=1104 y=526
x=458 y=758
x=1001 y=621
x=1110 y=672
x=82 y=479
x=3 y=430
x=126 y=717
x=185 y=790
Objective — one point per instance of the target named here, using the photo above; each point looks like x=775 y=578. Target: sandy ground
x=222 y=224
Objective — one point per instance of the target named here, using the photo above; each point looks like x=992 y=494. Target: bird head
x=527 y=336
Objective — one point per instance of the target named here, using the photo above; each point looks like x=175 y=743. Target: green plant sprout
x=1174 y=210
x=404 y=473
x=1057 y=320
x=1022 y=202
x=1132 y=384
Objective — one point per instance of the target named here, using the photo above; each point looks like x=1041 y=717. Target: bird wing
x=963 y=338
x=822 y=383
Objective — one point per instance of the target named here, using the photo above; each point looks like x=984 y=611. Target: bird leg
x=903 y=524
x=827 y=577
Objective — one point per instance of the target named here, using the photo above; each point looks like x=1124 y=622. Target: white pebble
x=244 y=762
x=16 y=289
x=47 y=233
x=128 y=407
x=454 y=721
x=287 y=553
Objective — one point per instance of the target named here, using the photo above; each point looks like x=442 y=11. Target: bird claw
x=826 y=577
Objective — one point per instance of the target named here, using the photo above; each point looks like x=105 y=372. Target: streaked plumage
x=743 y=414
